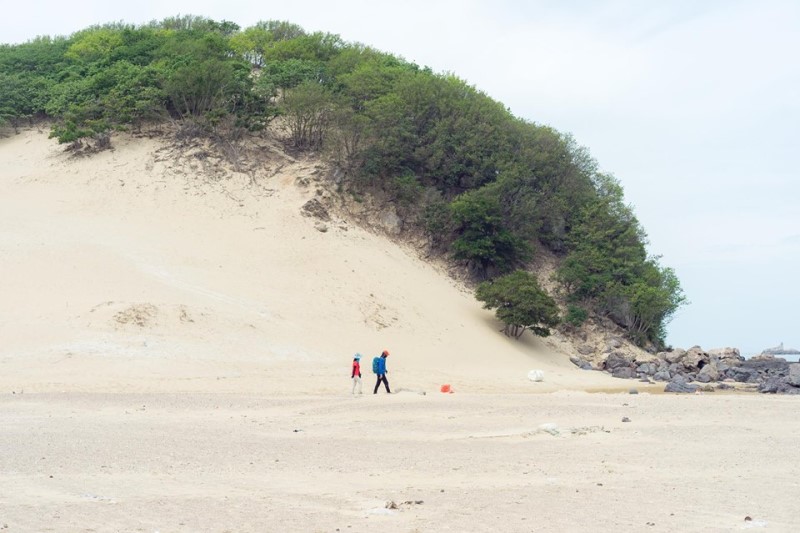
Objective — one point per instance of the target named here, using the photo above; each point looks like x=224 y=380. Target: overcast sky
x=694 y=105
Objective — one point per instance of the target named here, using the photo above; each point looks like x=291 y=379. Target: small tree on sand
x=520 y=303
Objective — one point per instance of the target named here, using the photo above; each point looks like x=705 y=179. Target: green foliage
x=22 y=96
x=365 y=75
x=84 y=122
x=444 y=131
x=607 y=246
x=27 y=74
x=545 y=185
x=315 y=47
x=576 y=316
x=406 y=190
x=307 y=109
x=608 y=265
x=201 y=88
x=94 y=45
x=347 y=136
x=251 y=44
x=197 y=24
x=289 y=73
x=140 y=46
x=135 y=97
x=438 y=223
x=42 y=56
x=646 y=306
x=280 y=30
x=77 y=104
x=463 y=136
x=520 y=304
x=482 y=240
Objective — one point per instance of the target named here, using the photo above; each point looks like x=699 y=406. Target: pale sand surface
x=165 y=333
x=217 y=462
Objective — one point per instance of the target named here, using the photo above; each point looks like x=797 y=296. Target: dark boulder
x=793 y=377
x=581 y=363
x=777 y=385
x=703 y=378
x=743 y=374
x=624 y=373
x=647 y=368
x=662 y=375
x=773 y=385
x=709 y=372
x=617 y=360
x=684 y=388
x=680 y=385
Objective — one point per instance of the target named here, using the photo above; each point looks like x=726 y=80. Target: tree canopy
x=520 y=303
x=489 y=189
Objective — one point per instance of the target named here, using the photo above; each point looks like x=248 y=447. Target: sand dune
x=176 y=345
x=227 y=279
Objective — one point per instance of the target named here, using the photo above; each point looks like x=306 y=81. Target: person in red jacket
x=356 y=374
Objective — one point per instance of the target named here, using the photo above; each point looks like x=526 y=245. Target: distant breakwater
x=780 y=350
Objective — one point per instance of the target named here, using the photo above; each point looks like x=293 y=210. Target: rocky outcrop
x=314 y=208
x=674 y=356
x=390 y=222
x=695 y=359
x=726 y=353
x=687 y=370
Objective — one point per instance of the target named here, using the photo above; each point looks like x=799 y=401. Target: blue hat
x=357 y=356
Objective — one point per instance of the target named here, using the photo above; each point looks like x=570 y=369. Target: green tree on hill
x=520 y=304
x=483 y=242
x=308 y=110
x=608 y=268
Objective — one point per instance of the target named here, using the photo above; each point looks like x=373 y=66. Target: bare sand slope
x=132 y=271
x=174 y=356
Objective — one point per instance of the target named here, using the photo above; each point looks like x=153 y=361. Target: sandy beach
x=175 y=356
x=460 y=462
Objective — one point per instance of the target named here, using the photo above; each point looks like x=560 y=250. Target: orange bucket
x=445 y=388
